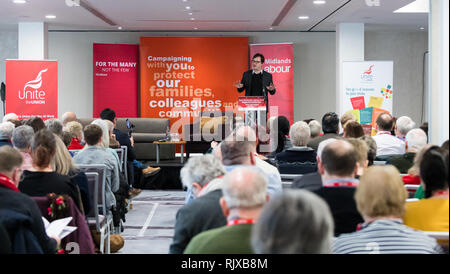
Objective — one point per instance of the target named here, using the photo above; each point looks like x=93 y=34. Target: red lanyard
x=338 y=184
x=384 y=133
x=5 y=181
x=241 y=222
x=441 y=193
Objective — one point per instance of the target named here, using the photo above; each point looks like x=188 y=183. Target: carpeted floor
x=150 y=223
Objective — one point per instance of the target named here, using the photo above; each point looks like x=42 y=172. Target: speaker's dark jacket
x=247 y=82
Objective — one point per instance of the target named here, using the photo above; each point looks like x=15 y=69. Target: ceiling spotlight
x=422 y=28
x=192 y=18
x=319 y=2
x=303 y=17
x=188 y=8
x=196 y=28
x=190 y=13
x=19 y=1
x=119 y=27
x=271 y=28
x=50 y=16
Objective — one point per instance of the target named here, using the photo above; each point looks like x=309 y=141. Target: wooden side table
x=158 y=143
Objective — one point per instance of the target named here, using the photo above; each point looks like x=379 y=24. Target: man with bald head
x=338 y=168
x=386 y=143
x=244 y=195
x=68 y=117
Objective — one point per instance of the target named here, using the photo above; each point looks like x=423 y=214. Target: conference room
x=186 y=126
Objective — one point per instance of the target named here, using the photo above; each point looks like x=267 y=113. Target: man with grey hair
x=21 y=140
x=402 y=126
x=204 y=212
x=239 y=149
x=68 y=117
x=10 y=116
x=55 y=126
x=244 y=195
x=315 y=128
x=6 y=129
x=299 y=152
x=415 y=140
x=312 y=181
x=295 y=222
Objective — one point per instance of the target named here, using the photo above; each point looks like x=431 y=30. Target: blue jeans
x=138 y=164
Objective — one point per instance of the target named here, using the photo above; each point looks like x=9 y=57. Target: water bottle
x=168 y=133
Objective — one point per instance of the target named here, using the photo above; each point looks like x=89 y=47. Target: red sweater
x=75 y=144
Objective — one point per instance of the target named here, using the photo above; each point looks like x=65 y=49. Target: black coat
x=21 y=203
x=311 y=182
x=201 y=214
x=247 y=82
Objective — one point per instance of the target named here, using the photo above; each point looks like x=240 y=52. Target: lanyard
x=384 y=133
x=241 y=222
x=341 y=182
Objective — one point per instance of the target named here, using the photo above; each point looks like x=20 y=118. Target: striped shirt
x=386 y=237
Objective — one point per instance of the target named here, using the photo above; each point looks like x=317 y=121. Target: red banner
x=279 y=62
x=116 y=79
x=32 y=88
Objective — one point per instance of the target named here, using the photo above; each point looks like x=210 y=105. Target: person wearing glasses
x=257 y=82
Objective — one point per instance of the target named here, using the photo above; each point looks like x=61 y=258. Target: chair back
x=120 y=153
x=99 y=191
x=125 y=161
x=441 y=237
x=296 y=167
x=93 y=183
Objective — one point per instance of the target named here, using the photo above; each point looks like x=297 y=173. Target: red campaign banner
x=32 y=88
x=116 y=68
x=279 y=61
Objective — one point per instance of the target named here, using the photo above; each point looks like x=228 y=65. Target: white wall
x=8 y=50
x=314 y=65
x=407 y=50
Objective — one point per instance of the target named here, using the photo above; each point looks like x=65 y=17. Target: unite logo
x=367 y=75
x=33 y=93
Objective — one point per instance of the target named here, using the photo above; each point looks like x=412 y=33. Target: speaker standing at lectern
x=257 y=82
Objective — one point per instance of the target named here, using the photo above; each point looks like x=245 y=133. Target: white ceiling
x=209 y=15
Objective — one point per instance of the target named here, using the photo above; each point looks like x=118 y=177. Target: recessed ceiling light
x=19 y=1
x=192 y=18
x=50 y=16
x=190 y=13
x=196 y=28
x=119 y=27
x=319 y=2
x=188 y=8
x=271 y=28
x=303 y=17
x=422 y=28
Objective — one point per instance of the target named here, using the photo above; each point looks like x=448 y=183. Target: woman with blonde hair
x=76 y=131
x=380 y=198
x=62 y=163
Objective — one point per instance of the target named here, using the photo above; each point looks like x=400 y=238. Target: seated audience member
x=415 y=140
x=353 y=129
x=35 y=122
x=17 y=123
x=413 y=176
x=279 y=135
x=244 y=195
x=42 y=179
x=312 y=181
x=55 y=126
x=315 y=128
x=63 y=164
x=5 y=242
x=239 y=149
x=12 y=199
x=345 y=118
x=295 y=222
x=6 y=130
x=372 y=148
x=402 y=126
x=386 y=143
x=431 y=213
x=125 y=140
x=361 y=153
x=21 y=139
x=95 y=154
x=330 y=128
x=66 y=137
x=204 y=212
x=68 y=117
x=381 y=198
x=76 y=131
x=445 y=146
x=9 y=117
x=299 y=152
x=113 y=143
x=338 y=168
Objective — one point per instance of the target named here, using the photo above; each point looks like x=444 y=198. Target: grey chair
x=96 y=187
